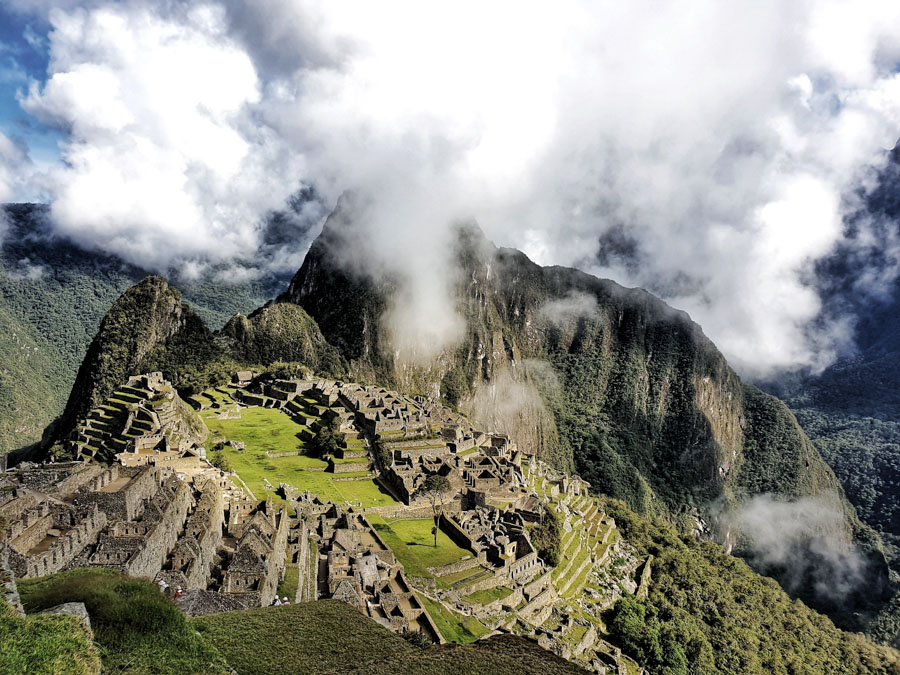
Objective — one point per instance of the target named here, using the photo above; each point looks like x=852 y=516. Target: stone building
x=257 y=562
x=357 y=567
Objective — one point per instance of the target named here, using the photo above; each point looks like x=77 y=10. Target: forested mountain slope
x=53 y=295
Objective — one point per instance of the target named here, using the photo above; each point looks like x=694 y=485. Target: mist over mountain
x=851 y=409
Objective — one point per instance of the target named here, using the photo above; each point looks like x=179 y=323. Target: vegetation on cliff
x=709 y=612
x=282 y=332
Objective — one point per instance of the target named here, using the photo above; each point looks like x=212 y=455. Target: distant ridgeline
x=610 y=382
x=53 y=294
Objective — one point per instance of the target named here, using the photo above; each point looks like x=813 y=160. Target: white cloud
x=165 y=162
x=570 y=308
x=15 y=166
x=714 y=148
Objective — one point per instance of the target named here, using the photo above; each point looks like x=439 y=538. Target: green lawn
x=261 y=429
x=368 y=492
x=269 y=430
x=288 y=586
x=413 y=544
x=488 y=596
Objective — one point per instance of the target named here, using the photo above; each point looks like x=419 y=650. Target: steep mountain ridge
x=53 y=295
x=608 y=380
x=149 y=316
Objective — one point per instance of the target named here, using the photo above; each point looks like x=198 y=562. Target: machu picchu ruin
x=227 y=500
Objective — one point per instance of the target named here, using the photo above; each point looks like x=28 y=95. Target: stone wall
x=303 y=565
x=126 y=502
x=533 y=588
x=497 y=579
x=588 y=639
x=160 y=540
x=458 y=535
x=275 y=567
x=501 y=604
x=8 y=590
x=36 y=523
x=527 y=564
x=458 y=566
x=351 y=467
x=63 y=550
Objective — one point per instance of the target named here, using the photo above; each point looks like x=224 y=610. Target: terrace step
x=587 y=562
x=474 y=579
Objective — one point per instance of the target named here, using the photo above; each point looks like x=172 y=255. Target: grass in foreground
x=311 y=637
x=497 y=655
x=45 y=644
x=412 y=542
x=138 y=629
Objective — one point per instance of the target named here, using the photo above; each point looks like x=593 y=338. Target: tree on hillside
x=219 y=460
x=434 y=489
x=382 y=454
x=328 y=437
x=547 y=538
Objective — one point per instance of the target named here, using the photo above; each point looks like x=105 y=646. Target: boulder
x=76 y=609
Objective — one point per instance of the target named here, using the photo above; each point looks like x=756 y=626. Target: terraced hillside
x=135 y=410
x=564 y=607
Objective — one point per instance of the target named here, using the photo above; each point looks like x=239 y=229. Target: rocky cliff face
x=607 y=380
x=603 y=378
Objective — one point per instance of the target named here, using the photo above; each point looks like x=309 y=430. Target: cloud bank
x=803 y=543
x=709 y=153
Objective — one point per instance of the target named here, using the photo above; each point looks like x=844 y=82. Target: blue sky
x=24 y=58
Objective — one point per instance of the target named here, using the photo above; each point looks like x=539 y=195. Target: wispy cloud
x=708 y=153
